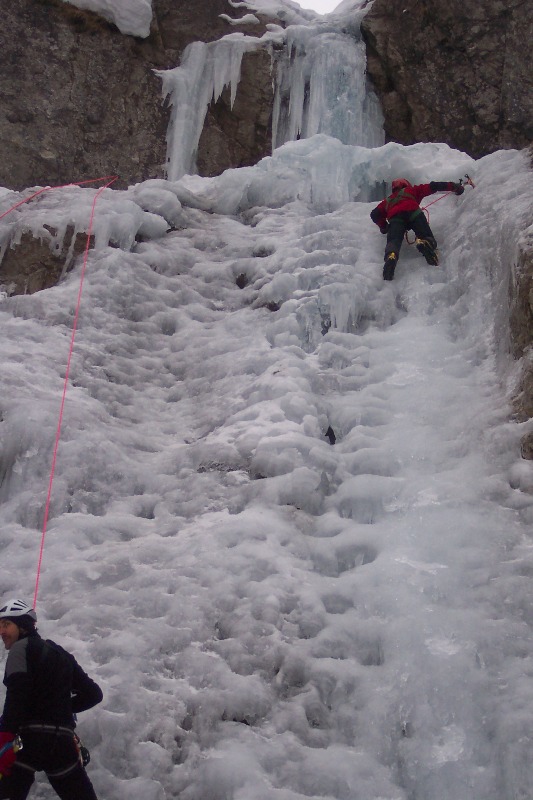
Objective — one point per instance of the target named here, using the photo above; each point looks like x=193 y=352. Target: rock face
x=71 y=106
x=521 y=319
x=180 y=22
x=459 y=71
x=87 y=102
x=34 y=264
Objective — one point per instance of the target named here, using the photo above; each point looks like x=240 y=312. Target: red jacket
x=407 y=199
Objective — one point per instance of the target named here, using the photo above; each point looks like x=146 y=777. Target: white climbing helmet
x=17 y=608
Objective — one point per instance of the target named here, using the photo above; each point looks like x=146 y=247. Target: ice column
x=321 y=87
x=206 y=69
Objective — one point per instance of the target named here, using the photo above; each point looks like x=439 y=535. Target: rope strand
x=426 y=212
x=65 y=384
x=110 y=180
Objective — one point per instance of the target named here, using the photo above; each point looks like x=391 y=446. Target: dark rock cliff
x=86 y=102
x=459 y=71
x=521 y=326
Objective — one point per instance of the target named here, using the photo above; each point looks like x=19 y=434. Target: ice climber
x=45 y=688
x=400 y=212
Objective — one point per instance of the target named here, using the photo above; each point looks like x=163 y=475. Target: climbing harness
x=109 y=180
x=83 y=754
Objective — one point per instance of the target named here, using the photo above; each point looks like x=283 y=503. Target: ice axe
x=467 y=180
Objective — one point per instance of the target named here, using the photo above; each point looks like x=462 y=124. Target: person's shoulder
x=21 y=645
x=17 y=658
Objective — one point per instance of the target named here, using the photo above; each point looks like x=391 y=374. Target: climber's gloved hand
x=384 y=228
x=458 y=188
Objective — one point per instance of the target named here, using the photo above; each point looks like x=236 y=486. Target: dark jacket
x=407 y=199
x=45 y=684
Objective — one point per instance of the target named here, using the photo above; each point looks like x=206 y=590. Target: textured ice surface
x=290 y=530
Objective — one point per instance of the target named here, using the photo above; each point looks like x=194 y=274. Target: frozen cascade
x=272 y=612
x=319 y=86
x=290 y=531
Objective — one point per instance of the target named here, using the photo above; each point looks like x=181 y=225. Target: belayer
x=45 y=688
x=400 y=212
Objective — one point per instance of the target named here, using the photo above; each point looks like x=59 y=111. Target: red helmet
x=400 y=183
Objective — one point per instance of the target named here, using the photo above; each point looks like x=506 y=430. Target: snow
x=132 y=17
x=270 y=615
x=288 y=11
x=290 y=528
x=248 y=19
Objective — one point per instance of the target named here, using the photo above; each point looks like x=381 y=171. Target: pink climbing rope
x=110 y=179
x=426 y=212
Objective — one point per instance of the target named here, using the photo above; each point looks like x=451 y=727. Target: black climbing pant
x=400 y=223
x=52 y=750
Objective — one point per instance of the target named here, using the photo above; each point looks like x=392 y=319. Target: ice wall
x=300 y=620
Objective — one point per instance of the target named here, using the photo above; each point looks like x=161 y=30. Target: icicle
x=204 y=73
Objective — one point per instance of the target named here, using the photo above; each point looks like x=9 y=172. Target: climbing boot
x=389 y=267
x=430 y=253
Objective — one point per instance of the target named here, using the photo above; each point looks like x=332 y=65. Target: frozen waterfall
x=319 y=79
x=290 y=528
